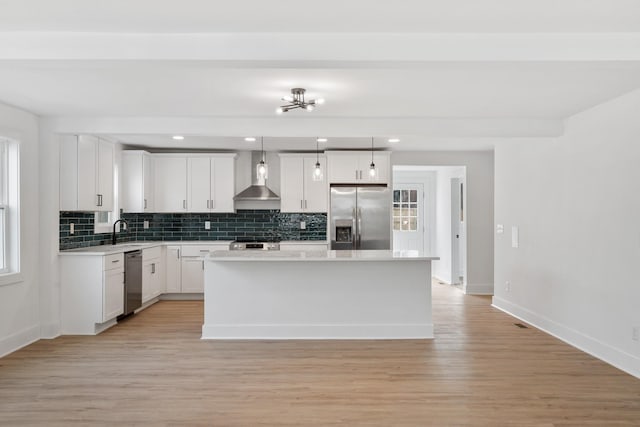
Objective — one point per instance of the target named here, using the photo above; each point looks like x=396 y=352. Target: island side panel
x=318 y=300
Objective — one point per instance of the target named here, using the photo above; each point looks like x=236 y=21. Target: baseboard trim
x=478 y=289
x=19 y=339
x=181 y=297
x=439 y=279
x=611 y=355
x=317 y=332
x=50 y=330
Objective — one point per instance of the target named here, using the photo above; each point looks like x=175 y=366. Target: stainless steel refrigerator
x=360 y=217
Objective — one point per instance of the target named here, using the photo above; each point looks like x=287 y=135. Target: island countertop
x=305 y=256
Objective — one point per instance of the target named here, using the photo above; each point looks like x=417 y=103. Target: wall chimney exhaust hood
x=258 y=189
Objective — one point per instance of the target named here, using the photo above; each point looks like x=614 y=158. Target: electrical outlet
x=72 y=228
x=507 y=286
x=303 y=225
x=499 y=229
x=207 y=225
x=145 y=224
x=635 y=334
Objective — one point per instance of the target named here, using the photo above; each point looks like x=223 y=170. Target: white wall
x=576 y=201
x=479 y=209
x=19 y=318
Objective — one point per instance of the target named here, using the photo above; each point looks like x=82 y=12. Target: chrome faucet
x=113 y=238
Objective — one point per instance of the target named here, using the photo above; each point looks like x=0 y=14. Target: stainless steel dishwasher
x=132 y=281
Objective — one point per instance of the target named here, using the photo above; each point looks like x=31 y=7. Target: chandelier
x=296 y=100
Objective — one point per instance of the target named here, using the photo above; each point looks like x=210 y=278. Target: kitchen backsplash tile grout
x=262 y=224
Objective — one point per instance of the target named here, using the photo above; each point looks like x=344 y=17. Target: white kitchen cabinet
x=192 y=265
x=211 y=183
x=298 y=191
x=352 y=167
x=151 y=273
x=91 y=292
x=137 y=181
x=170 y=183
x=86 y=174
x=173 y=270
x=192 y=275
x=113 y=294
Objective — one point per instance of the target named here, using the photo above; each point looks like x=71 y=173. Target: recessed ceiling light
x=178 y=137
x=322 y=140
x=250 y=139
x=394 y=140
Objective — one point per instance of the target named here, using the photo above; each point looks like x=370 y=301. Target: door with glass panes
x=408 y=218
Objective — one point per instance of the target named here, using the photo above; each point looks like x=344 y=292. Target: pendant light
x=317 y=170
x=373 y=170
x=262 y=169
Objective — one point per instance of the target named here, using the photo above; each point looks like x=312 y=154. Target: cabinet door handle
x=212 y=204
x=305 y=203
x=184 y=204
x=300 y=203
x=115 y=260
x=208 y=202
x=145 y=203
x=153 y=268
x=178 y=253
x=356 y=175
x=202 y=265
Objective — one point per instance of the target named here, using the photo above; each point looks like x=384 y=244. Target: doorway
x=436 y=221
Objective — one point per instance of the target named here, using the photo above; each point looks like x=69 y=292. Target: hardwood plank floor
x=153 y=369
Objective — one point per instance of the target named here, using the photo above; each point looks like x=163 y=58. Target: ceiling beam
x=314 y=49
x=303 y=127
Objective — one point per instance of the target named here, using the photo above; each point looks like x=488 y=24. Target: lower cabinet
x=192 y=275
x=187 y=263
x=173 y=270
x=112 y=294
x=151 y=273
x=91 y=292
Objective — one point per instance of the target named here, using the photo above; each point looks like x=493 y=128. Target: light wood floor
x=153 y=369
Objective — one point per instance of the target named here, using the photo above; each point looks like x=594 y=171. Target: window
x=9 y=212
x=405 y=210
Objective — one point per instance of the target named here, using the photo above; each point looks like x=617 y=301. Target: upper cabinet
x=137 y=181
x=86 y=174
x=193 y=183
x=352 y=167
x=211 y=183
x=298 y=191
x=170 y=183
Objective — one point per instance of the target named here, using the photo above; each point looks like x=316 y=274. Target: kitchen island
x=372 y=294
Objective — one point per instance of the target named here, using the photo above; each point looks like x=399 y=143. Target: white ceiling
x=453 y=75
x=190 y=88
x=398 y=16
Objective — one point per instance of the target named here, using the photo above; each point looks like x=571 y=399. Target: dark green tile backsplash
x=261 y=224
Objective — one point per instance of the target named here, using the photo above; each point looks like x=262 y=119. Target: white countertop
x=382 y=255
x=133 y=246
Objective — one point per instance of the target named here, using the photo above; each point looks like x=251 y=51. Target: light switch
x=303 y=225
x=515 y=238
x=499 y=228
x=72 y=228
x=145 y=224
x=207 y=225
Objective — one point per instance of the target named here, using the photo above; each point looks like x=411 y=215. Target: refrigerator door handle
x=354 y=230
x=359 y=228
